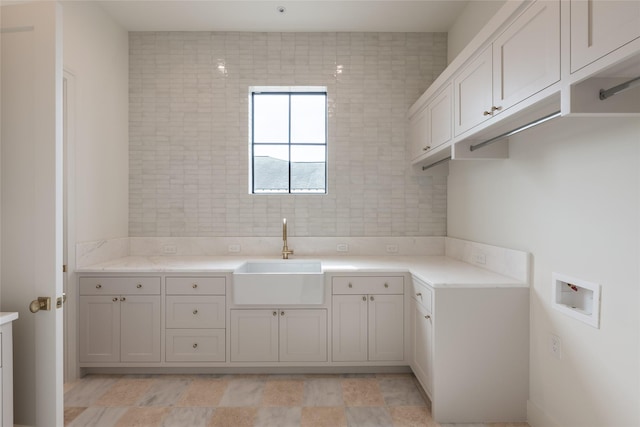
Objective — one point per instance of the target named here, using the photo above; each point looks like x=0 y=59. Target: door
x=254 y=335
x=422 y=345
x=303 y=335
x=473 y=93
x=140 y=328
x=386 y=327
x=100 y=328
x=31 y=180
x=349 y=335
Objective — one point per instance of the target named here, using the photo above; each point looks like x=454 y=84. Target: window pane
x=270 y=118
x=271 y=168
x=308 y=169
x=308 y=119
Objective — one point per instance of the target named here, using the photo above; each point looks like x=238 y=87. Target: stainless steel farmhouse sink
x=278 y=282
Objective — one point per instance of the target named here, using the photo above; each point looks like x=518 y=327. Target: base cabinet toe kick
x=468 y=347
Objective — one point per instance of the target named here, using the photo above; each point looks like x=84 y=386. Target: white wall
x=471 y=20
x=569 y=194
x=96 y=51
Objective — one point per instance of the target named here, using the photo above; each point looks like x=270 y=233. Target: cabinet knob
x=195 y=311
x=194 y=286
x=195 y=345
x=427 y=317
x=494 y=108
x=419 y=294
x=98 y=286
x=371 y=298
x=386 y=285
x=123 y=299
x=427 y=148
x=114 y=299
x=139 y=285
x=350 y=285
x=486 y=113
x=282 y=313
x=364 y=298
x=275 y=313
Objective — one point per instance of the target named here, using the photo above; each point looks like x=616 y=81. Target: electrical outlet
x=234 y=249
x=342 y=247
x=170 y=249
x=555 y=345
x=392 y=249
x=480 y=258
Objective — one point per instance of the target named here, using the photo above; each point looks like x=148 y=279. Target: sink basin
x=279 y=282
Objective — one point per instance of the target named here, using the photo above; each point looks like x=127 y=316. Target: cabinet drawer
x=193 y=312
x=368 y=285
x=195 y=285
x=199 y=345
x=119 y=285
x=422 y=294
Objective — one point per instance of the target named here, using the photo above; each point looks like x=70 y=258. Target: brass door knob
x=42 y=303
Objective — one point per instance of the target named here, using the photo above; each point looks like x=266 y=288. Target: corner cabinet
x=368 y=319
x=521 y=61
x=600 y=27
x=119 y=319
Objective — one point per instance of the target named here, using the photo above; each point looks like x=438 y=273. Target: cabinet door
x=349 y=337
x=99 y=328
x=419 y=141
x=139 y=328
x=422 y=342
x=526 y=57
x=254 y=335
x=440 y=112
x=599 y=27
x=303 y=335
x=386 y=327
x=473 y=95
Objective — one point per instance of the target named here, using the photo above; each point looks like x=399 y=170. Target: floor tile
x=278 y=416
x=98 y=417
x=125 y=392
x=203 y=392
x=191 y=417
x=243 y=392
x=71 y=413
x=143 y=417
x=323 y=392
x=283 y=393
x=323 y=417
x=361 y=392
x=400 y=392
x=368 y=417
x=164 y=392
x=411 y=416
x=236 y=417
x=88 y=390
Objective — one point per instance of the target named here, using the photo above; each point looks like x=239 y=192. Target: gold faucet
x=285 y=249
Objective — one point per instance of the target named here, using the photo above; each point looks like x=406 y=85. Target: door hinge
x=64 y=268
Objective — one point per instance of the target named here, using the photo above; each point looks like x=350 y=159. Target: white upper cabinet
x=526 y=57
x=473 y=93
x=431 y=127
x=600 y=27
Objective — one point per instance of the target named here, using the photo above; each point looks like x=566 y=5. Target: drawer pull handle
x=371 y=298
x=350 y=285
x=419 y=294
x=195 y=345
x=364 y=298
x=98 y=286
x=123 y=299
x=275 y=313
x=427 y=317
x=386 y=285
x=114 y=299
x=195 y=311
x=194 y=286
x=139 y=285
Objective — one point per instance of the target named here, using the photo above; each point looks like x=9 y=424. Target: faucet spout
x=285 y=249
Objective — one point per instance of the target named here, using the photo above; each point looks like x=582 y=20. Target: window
x=288 y=142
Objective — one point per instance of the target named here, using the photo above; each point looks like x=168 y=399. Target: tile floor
x=381 y=400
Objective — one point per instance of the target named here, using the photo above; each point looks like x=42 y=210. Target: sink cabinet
x=368 y=319
x=120 y=319
x=279 y=335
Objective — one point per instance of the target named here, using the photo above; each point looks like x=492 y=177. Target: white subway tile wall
x=189 y=133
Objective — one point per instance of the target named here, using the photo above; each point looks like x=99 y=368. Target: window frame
x=290 y=92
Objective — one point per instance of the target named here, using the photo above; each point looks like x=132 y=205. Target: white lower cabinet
x=120 y=328
x=367 y=326
x=285 y=335
x=422 y=345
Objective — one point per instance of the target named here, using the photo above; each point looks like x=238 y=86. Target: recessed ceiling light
x=281 y=9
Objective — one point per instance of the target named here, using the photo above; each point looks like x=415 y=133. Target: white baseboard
x=536 y=417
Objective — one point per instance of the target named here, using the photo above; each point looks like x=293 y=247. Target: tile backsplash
x=188 y=110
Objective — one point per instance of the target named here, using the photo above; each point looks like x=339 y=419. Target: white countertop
x=6 y=317
x=438 y=271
